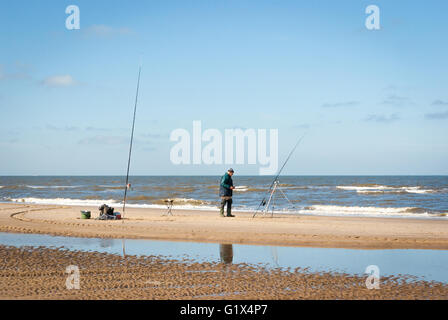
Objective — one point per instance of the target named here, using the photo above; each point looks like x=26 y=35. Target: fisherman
x=225 y=192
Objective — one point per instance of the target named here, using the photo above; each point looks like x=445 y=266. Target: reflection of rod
x=274 y=255
x=132 y=138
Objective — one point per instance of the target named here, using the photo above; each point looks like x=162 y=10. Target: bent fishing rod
x=263 y=202
x=132 y=138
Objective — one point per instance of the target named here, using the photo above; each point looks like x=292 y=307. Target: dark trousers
x=224 y=201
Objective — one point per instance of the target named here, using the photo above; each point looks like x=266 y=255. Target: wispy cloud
x=106 y=31
x=302 y=126
x=99 y=129
x=340 y=104
x=66 y=128
x=151 y=135
x=382 y=118
x=437 y=116
x=21 y=73
x=59 y=81
x=104 y=140
x=396 y=100
x=439 y=103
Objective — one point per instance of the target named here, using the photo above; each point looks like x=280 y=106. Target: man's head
x=230 y=172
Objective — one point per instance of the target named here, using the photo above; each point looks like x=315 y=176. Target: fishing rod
x=132 y=138
x=274 y=183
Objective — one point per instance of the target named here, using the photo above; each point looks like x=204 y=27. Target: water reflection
x=107 y=243
x=226 y=253
x=430 y=264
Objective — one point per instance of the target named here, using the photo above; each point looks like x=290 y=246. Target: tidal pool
x=423 y=264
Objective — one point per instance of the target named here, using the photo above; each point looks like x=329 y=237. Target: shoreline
x=208 y=226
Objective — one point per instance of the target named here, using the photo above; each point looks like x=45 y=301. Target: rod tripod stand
x=271 y=201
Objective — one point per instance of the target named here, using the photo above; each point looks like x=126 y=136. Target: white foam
x=51 y=187
x=64 y=201
x=241 y=188
x=385 y=189
x=417 y=190
x=183 y=204
x=99 y=202
x=362 y=211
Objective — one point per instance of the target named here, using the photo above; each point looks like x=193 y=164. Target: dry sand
x=40 y=273
x=208 y=226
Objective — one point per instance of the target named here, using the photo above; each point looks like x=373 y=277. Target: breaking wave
x=65 y=201
x=386 y=189
x=179 y=203
x=241 y=188
x=52 y=187
x=369 y=211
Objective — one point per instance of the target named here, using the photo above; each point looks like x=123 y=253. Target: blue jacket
x=224 y=186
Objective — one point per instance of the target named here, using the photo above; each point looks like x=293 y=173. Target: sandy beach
x=40 y=273
x=208 y=226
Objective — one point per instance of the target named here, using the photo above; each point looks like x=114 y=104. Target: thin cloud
x=396 y=100
x=437 y=116
x=66 y=128
x=340 y=104
x=106 y=31
x=302 y=126
x=21 y=74
x=439 y=103
x=382 y=118
x=59 y=81
x=151 y=135
x=104 y=140
x=90 y=128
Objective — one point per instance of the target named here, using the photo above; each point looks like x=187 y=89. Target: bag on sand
x=106 y=217
x=106 y=213
x=105 y=209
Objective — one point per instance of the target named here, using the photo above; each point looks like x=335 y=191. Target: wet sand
x=208 y=226
x=40 y=273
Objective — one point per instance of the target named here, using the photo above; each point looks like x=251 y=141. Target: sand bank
x=40 y=273
x=208 y=226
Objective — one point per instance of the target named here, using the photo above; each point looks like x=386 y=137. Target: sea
x=424 y=197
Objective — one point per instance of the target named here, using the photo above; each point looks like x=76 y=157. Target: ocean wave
x=51 y=187
x=179 y=203
x=371 y=211
x=386 y=189
x=112 y=187
x=141 y=198
x=13 y=187
x=177 y=188
x=239 y=188
x=185 y=201
x=65 y=201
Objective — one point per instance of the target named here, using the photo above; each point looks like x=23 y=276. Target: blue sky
x=371 y=102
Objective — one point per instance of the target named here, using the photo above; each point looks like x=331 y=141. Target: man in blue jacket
x=225 y=192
